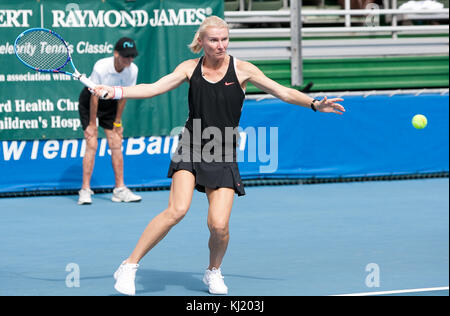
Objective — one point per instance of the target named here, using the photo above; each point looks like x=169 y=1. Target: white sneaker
x=124 y=194
x=125 y=276
x=84 y=196
x=214 y=280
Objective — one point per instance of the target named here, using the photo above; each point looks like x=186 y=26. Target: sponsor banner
x=277 y=140
x=45 y=105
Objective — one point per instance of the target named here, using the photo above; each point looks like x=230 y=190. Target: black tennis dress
x=207 y=146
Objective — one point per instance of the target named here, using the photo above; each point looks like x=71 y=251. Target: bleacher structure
x=342 y=48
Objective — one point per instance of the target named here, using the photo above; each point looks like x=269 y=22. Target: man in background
x=117 y=70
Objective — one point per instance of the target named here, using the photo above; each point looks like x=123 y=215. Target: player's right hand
x=103 y=92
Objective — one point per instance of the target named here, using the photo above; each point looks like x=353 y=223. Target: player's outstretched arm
x=254 y=75
x=143 y=91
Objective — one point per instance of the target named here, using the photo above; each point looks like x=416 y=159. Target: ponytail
x=195 y=46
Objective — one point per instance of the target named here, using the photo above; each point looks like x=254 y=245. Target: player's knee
x=92 y=144
x=115 y=143
x=218 y=228
x=115 y=148
x=177 y=212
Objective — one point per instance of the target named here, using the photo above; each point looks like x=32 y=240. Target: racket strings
x=42 y=50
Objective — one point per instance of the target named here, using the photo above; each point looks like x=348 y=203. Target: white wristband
x=118 y=93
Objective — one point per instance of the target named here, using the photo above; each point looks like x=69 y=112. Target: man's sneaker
x=124 y=194
x=84 y=196
x=214 y=280
x=125 y=276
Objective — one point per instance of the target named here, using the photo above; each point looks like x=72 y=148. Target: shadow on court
x=150 y=280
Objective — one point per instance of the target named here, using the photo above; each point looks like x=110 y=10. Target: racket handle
x=88 y=83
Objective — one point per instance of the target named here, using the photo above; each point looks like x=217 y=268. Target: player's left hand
x=330 y=106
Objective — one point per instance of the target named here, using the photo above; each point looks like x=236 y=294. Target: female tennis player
x=216 y=95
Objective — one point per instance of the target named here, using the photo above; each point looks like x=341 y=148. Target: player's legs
x=89 y=159
x=220 y=205
x=90 y=136
x=180 y=197
x=115 y=145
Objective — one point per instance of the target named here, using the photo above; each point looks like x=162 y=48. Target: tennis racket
x=44 y=50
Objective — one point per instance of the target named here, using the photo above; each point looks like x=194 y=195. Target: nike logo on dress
x=229 y=83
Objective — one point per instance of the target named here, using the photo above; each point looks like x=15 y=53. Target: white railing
x=250 y=3
x=339 y=48
x=285 y=32
x=295 y=17
x=286 y=13
x=284 y=16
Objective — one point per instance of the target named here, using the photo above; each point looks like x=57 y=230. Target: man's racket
x=45 y=51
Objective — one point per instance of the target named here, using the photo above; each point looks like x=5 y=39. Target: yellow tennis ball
x=419 y=121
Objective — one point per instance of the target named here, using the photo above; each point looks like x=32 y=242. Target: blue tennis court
x=285 y=240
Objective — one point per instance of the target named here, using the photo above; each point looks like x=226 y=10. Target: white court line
x=397 y=291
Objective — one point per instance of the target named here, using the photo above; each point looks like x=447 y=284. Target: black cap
x=126 y=47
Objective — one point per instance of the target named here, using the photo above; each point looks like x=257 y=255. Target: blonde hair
x=212 y=21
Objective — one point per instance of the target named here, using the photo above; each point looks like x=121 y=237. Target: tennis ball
x=419 y=121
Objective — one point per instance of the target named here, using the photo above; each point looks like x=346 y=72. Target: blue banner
x=277 y=140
